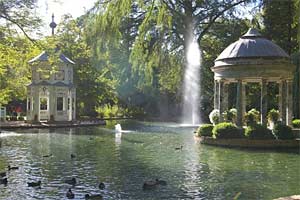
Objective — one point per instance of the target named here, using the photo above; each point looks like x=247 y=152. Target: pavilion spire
x=53 y=24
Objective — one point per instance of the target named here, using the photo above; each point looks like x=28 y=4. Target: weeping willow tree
x=143 y=43
x=296 y=61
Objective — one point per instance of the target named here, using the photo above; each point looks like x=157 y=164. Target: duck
x=71 y=181
x=12 y=168
x=3 y=181
x=70 y=194
x=2 y=174
x=179 y=148
x=46 y=156
x=72 y=156
x=150 y=184
x=94 y=196
x=161 y=182
x=101 y=186
x=34 y=184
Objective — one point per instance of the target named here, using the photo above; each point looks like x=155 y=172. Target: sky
x=45 y=8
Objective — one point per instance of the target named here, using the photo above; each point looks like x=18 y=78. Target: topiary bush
x=252 y=117
x=273 y=116
x=205 y=130
x=283 y=132
x=230 y=115
x=296 y=123
x=226 y=130
x=214 y=116
x=259 y=131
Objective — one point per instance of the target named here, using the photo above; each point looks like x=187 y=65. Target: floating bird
x=71 y=181
x=94 y=196
x=72 y=156
x=2 y=174
x=149 y=184
x=34 y=184
x=70 y=194
x=161 y=182
x=49 y=155
x=3 y=181
x=179 y=148
x=101 y=186
x=12 y=168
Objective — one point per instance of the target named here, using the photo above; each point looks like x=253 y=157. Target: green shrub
x=273 y=116
x=226 y=130
x=214 y=116
x=296 y=123
x=230 y=115
x=20 y=118
x=252 y=117
x=259 y=131
x=205 y=130
x=283 y=132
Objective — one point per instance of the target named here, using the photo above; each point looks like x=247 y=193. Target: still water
x=147 y=151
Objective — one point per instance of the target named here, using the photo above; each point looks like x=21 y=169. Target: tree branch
x=19 y=26
x=214 y=18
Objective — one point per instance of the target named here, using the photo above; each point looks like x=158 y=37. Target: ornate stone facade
x=51 y=96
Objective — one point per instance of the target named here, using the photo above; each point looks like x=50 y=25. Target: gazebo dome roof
x=252 y=45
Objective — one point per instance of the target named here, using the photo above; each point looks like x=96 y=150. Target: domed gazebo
x=253 y=58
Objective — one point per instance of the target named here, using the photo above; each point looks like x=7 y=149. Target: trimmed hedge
x=252 y=117
x=283 y=132
x=226 y=130
x=259 y=131
x=205 y=130
x=296 y=123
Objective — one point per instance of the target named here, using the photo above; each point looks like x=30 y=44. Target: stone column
x=282 y=100
x=220 y=101
x=225 y=96
x=52 y=104
x=216 y=94
x=243 y=99
x=289 y=102
x=239 y=103
x=74 y=109
x=263 y=102
x=36 y=104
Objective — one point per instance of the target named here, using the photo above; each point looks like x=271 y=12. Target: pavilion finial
x=53 y=24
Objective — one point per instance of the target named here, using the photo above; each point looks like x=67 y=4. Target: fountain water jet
x=191 y=84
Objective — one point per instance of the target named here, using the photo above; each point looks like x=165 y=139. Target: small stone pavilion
x=51 y=95
x=253 y=58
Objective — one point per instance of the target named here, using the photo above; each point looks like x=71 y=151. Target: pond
x=148 y=151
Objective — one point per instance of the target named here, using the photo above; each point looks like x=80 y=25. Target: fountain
x=118 y=128
x=191 y=84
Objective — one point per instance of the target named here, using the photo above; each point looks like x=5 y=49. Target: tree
x=18 y=13
x=283 y=31
x=152 y=37
x=93 y=88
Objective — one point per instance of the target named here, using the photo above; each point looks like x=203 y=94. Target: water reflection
x=124 y=161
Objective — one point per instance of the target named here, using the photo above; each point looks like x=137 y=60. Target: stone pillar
x=289 y=103
x=282 y=100
x=36 y=104
x=74 y=102
x=239 y=103
x=263 y=102
x=52 y=104
x=220 y=101
x=225 y=96
x=216 y=94
x=243 y=99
